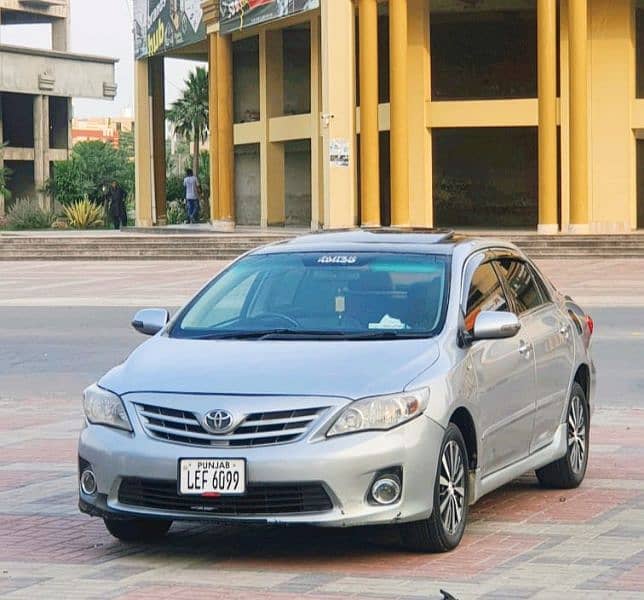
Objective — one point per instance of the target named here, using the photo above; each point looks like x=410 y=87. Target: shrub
x=92 y=166
x=176 y=213
x=84 y=214
x=26 y=213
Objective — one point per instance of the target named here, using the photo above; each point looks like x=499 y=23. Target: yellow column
x=225 y=132
x=142 y=144
x=420 y=137
x=578 y=40
x=317 y=212
x=213 y=127
x=272 y=105
x=157 y=80
x=338 y=112
x=398 y=80
x=547 y=76
x=369 y=134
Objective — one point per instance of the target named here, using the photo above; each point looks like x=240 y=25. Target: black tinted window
x=485 y=293
x=525 y=291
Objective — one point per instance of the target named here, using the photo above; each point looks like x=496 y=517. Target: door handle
x=524 y=349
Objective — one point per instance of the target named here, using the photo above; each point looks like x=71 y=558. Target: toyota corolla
x=342 y=379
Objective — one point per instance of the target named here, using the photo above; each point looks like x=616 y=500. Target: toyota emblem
x=218 y=421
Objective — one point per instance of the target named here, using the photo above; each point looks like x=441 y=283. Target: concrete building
x=478 y=113
x=101 y=129
x=36 y=89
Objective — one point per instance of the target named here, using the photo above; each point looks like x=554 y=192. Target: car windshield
x=321 y=295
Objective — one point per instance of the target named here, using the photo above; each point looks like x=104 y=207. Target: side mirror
x=150 y=321
x=490 y=325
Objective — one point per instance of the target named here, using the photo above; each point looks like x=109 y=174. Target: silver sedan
x=342 y=379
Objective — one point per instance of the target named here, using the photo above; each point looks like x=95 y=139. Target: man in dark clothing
x=117 y=208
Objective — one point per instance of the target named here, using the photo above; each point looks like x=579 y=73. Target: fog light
x=386 y=490
x=88 y=482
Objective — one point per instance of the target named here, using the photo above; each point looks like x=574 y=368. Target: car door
x=550 y=332
x=505 y=376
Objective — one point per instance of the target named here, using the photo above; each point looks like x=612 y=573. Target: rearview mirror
x=492 y=325
x=150 y=321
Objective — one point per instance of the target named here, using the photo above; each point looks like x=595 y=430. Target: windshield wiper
x=309 y=334
x=385 y=335
x=268 y=334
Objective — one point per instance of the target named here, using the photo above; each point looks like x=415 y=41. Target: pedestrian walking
x=117 y=207
x=192 y=188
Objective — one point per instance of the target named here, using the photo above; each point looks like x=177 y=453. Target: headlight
x=380 y=412
x=105 y=408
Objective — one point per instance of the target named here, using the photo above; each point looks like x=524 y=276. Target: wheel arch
x=462 y=418
x=582 y=377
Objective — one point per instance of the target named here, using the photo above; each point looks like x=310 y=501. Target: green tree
x=189 y=114
x=91 y=166
x=126 y=143
x=5 y=174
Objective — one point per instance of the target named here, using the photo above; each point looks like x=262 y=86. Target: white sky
x=104 y=28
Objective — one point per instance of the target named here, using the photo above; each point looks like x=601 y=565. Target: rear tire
x=569 y=471
x=137 y=529
x=444 y=528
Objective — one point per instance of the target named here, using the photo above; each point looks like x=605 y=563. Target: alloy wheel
x=451 y=489
x=577 y=434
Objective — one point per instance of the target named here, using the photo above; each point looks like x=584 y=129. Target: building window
x=297 y=176
x=478 y=53
x=296 y=56
x=485 y=177
x=18 y=120
x=246 y=80
x=247 y=185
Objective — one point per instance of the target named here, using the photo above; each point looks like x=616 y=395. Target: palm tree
x=189 y=114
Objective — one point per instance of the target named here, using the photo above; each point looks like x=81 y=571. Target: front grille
x=259 y=499
x=256 y=429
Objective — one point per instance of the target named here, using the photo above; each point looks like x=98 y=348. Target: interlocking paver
x=521 y=542
x=519 y=538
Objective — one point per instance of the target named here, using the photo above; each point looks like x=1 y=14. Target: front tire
x=444 y=528
x=137 y=529
x=569 y=471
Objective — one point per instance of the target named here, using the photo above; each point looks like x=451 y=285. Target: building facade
x=101 y=129
x=465 y=113
x=36 y=90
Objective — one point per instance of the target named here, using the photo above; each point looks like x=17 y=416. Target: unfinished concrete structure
x=36 y=90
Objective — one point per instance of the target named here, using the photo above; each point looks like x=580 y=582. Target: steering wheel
x=273 y=315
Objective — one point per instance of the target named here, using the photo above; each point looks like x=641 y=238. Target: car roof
x=384 y=239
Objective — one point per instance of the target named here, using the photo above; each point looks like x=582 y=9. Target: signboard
x=163 y=25
x=235 y=15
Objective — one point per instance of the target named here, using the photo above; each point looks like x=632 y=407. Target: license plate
x=216 y=476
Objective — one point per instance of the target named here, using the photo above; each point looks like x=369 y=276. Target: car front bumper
x=345 y=466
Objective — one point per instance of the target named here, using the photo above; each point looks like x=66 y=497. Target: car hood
x=351 y=369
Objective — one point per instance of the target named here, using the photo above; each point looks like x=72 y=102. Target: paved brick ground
x=521 y=541
x=40 y=283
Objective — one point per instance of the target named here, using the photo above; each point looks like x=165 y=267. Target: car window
x=225 y=301
x=325 y=292
x=521 y=283
x=485 y=293
x=540 y=281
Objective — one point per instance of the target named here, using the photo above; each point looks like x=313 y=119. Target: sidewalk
x=609 y=282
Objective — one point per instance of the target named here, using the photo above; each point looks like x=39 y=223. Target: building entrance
x=485 y=177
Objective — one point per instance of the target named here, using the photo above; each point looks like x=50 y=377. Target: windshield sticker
x=388 y=322
x=340 y=304
x=338 y=260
